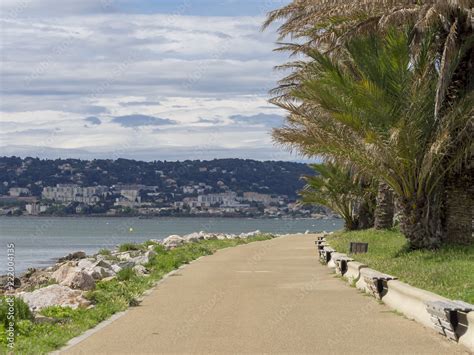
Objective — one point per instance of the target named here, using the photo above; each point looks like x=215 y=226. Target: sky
x=145 y=80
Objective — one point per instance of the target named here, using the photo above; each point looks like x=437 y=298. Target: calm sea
x=40 y=241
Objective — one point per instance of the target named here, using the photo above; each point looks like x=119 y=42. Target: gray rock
x=35 y=278
x=210 y=236
x=173 y=241
x=221 y=237
x=80 y=280
x=99 y=272
x=124 y=256
x=110 y=278
x=194 y=237
x=64 y=270
x=72 y=276
x=73 y=256
x=104 y=264
x=116 y=268
x=140 y=270
x=145 y=258
x=5 y=282
x=250 y=234
x=98 y=269
x=126 y=264
x=54 y=295
x=88 y=263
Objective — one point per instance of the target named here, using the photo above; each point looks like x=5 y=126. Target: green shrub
x=160 y=249
x=104 y=252
x=130 y=247
x=21 y=311
x=58 y=312
x=126 y=274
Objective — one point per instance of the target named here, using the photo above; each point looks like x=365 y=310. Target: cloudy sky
x=167 y=79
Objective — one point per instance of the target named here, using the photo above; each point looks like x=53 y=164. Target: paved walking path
x=263 y=297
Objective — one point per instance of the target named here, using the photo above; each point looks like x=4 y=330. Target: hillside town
x=170 y=196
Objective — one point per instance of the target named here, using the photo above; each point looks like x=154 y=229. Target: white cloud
x=201 y=73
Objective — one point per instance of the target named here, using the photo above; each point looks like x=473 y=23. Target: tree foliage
x=375 y=107
x=340 y=189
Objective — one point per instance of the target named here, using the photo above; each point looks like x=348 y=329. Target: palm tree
x=343 y=191
x=376 y=108
x=328 y=25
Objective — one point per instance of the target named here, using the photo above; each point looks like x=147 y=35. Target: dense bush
x=21 y=310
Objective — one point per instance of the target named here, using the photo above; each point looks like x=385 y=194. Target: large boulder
x=250 y=234
x=54 y=295
x=80 y=280
x=210 y=236
x=116 y=268
x=6 y=284
x=98 y=269
x=64 y=270
x=173 y=241
x=85 y=264
x=145 y=258
x=72 y=276
x=194 y=237
x=99 y=272
x=123 y=256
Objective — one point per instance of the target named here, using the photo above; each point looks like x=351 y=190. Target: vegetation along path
x=271 y=296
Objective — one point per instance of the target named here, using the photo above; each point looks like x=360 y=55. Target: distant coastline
x=190 y=216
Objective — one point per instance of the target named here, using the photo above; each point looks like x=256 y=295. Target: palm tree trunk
x=459 y=203
x=365 y=217
x=349 y=224
x=420 y=223
x=384 y=209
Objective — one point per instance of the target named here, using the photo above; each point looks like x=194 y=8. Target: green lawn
x=108 y=297
x=448 y=271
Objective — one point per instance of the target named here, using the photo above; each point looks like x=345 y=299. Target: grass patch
x=125 y=274
x=105 y=252
x=108 y=297
x=447 y=271
x=130 y=247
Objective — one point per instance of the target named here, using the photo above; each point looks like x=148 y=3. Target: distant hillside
x=271 y=177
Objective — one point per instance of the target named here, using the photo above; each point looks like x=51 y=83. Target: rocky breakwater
x=67 y=281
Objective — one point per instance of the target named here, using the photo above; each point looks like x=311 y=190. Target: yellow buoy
x=130 y=229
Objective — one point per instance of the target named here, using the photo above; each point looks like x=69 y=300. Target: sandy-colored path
x=263 y=297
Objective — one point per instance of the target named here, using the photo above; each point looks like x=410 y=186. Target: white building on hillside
x=225 y=198
x=18 y=191
x=73 y=193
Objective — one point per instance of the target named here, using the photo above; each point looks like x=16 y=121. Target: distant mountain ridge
x=239 y=175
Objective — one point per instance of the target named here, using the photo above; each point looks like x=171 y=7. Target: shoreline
x=47 y=265
x=176 y=216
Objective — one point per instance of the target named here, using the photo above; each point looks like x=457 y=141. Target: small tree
x=339 y=189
